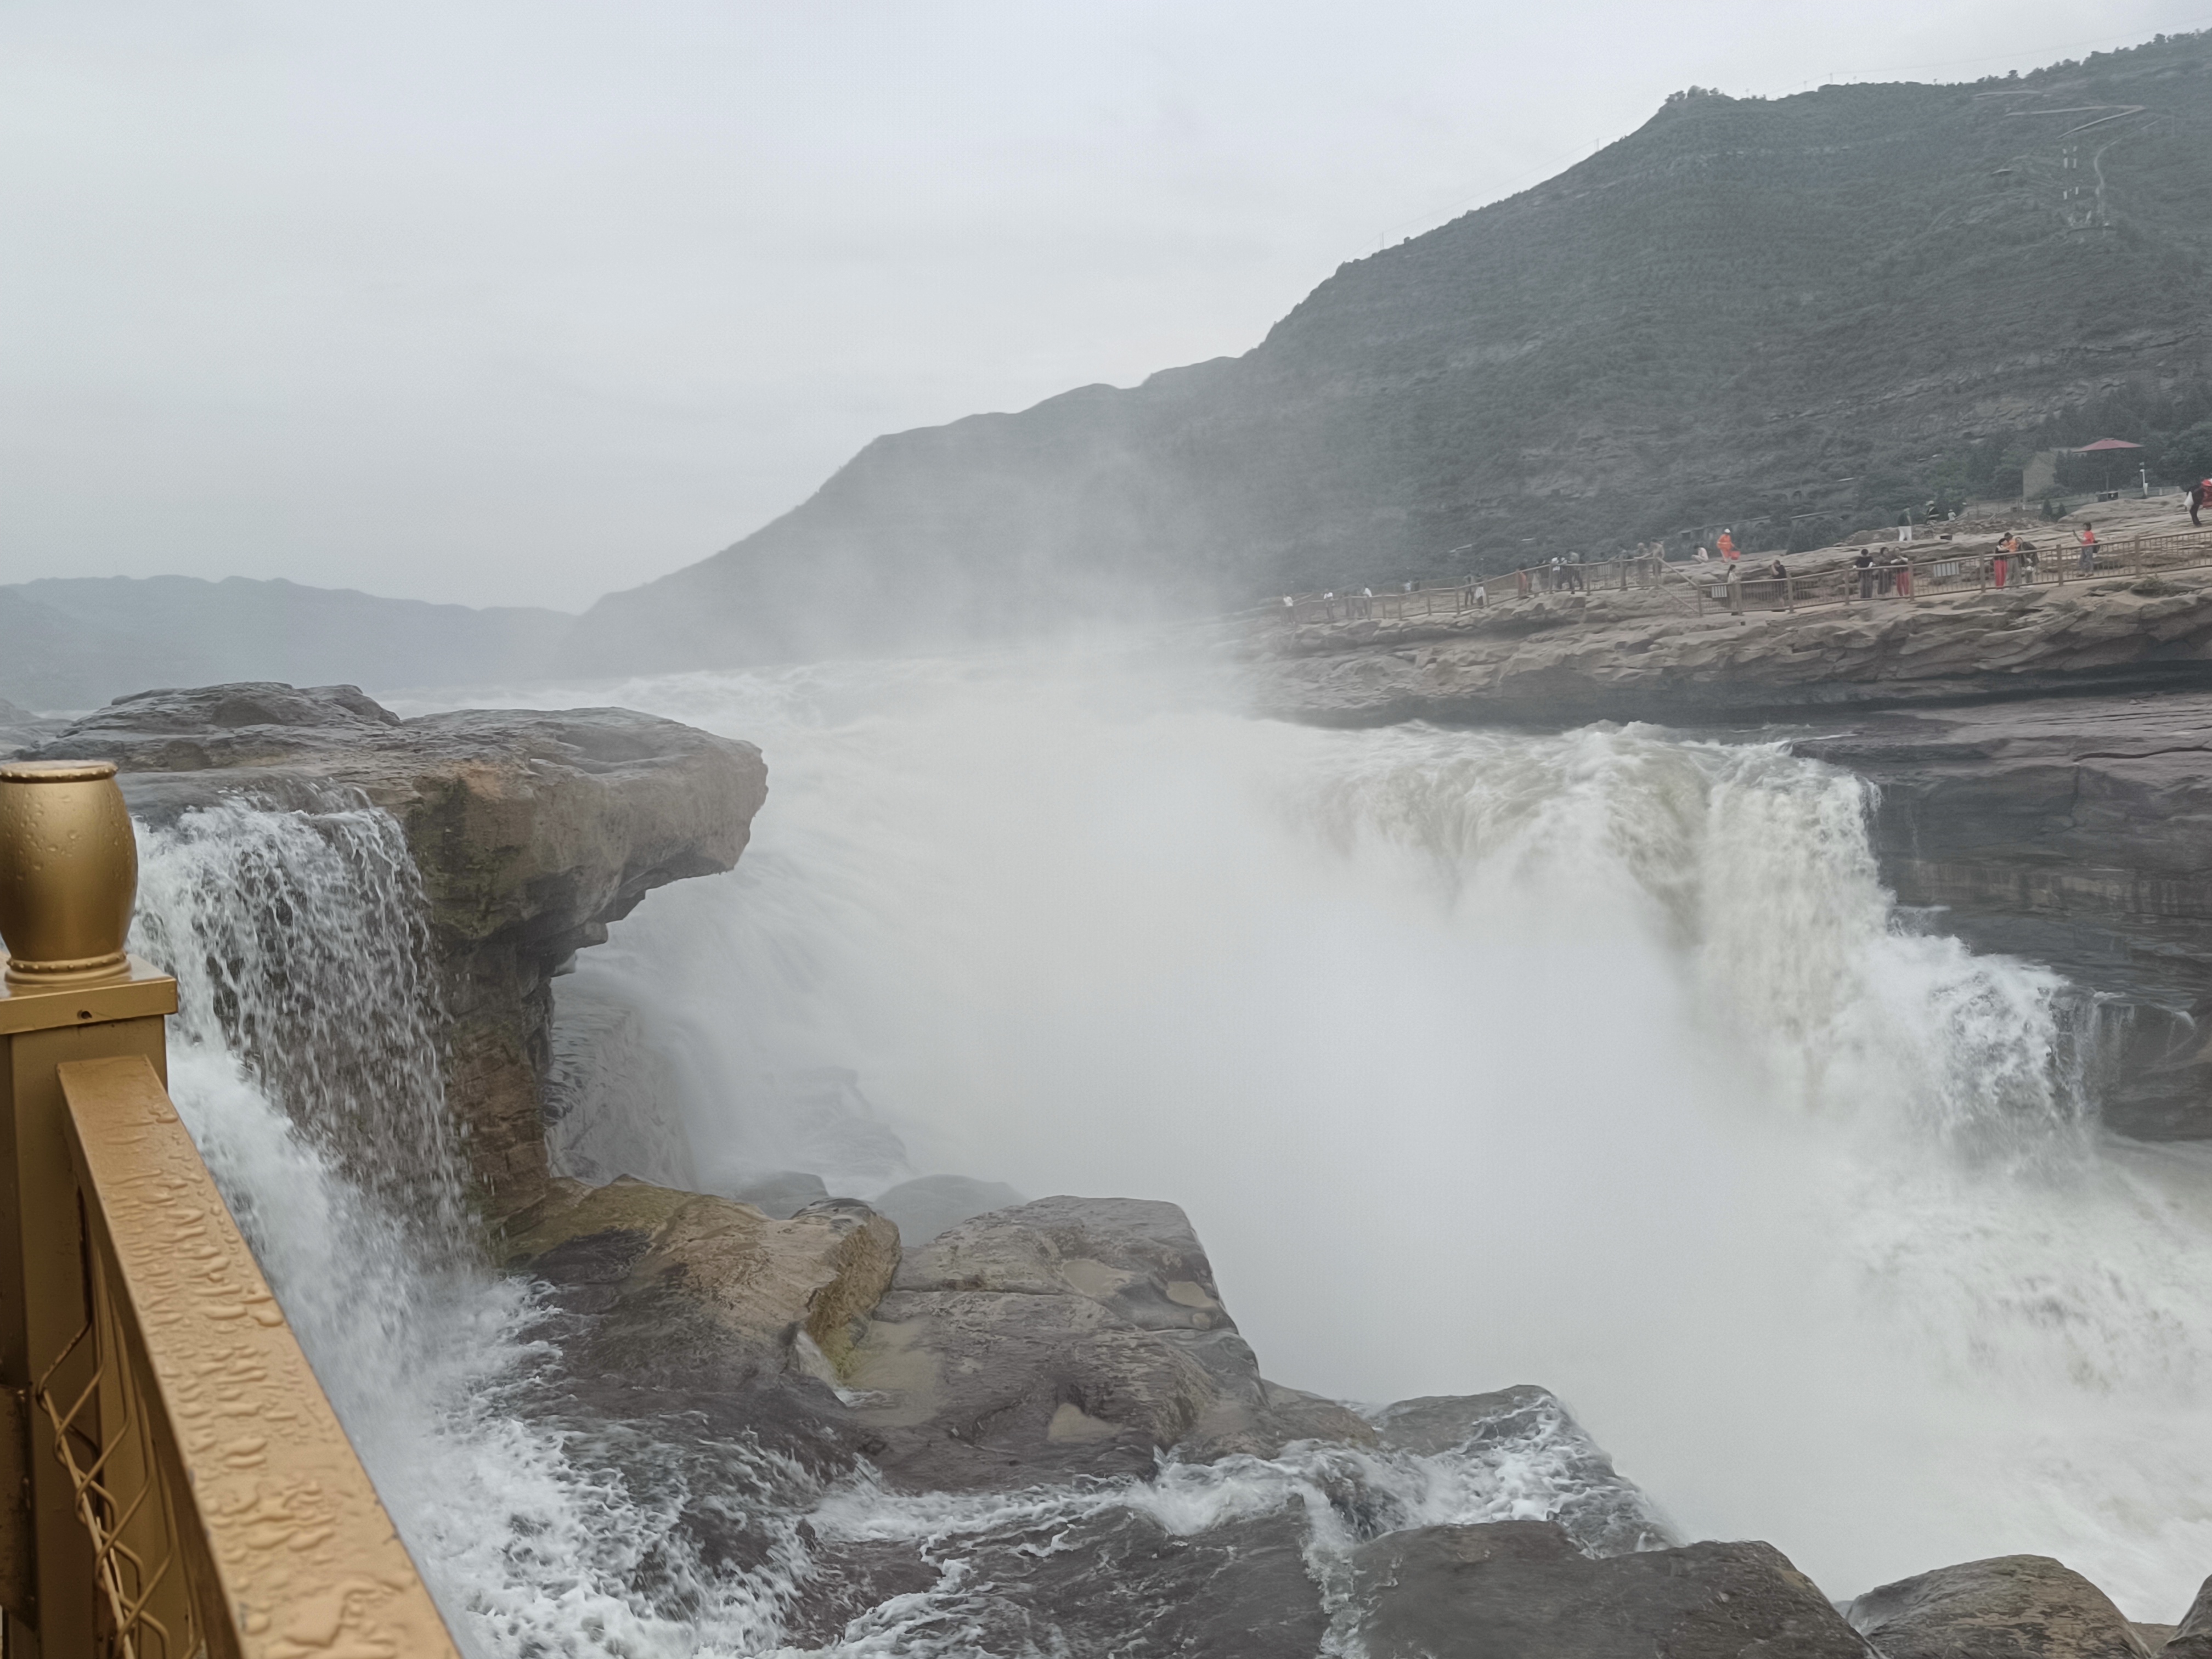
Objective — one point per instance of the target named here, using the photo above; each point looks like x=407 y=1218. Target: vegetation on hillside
x=1795 y=316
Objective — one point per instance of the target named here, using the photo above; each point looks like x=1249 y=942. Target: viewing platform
x=1933 y=622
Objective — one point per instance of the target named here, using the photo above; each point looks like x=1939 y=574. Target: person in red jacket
x=2200 y=496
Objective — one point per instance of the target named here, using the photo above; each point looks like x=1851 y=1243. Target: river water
x=1600 y=1060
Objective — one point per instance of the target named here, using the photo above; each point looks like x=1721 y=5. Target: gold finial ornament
x=69 y=873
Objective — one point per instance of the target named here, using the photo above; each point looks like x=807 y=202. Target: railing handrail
x=228 y=1512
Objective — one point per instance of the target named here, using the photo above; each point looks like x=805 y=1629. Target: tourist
x=1574 y=573
x=1481 y=597
x=1864 y=565
x=2001 y=561
x=1901 y=573
x=2088 y=541
x=1702 y=557
x=2200 y=496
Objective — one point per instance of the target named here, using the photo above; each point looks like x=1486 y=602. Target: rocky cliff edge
x=1570 y=658
x=532 y=831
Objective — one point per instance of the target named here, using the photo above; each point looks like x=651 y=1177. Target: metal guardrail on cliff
x=1742 y=586
x=173 y=1483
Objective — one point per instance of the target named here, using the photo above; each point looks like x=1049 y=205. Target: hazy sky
x=507 y=302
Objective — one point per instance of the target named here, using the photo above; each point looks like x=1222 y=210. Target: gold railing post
x=69 y=874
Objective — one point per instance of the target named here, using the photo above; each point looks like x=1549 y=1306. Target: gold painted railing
x=173 y=1483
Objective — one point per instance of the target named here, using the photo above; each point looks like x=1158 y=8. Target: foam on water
x=1599 y=1061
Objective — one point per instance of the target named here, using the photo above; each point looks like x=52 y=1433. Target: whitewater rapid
x=1598 y=1060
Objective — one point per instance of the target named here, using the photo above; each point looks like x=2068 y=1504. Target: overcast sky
x=517 y=301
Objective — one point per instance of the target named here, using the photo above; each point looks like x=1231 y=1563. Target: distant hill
x=1794 y=315
x=76 y=642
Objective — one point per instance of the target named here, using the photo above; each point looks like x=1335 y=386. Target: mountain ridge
x=74 y=642
x=1819 y=308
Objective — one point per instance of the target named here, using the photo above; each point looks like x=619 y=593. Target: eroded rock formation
x=532 y=832
x=1572 y=658
x=792 y=1294
x=1071 y=1335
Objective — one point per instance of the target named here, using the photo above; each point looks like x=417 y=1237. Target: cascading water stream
x=307 y=1059
x=1598 y=1060
x=1601 y=1060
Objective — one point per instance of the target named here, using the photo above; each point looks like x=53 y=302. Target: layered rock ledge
x=532 y=832
x=1570 y=658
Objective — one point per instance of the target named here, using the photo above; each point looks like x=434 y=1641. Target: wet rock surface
x=1116 y=1582
x=2012 y=1607
x=532 y=831
x=1069 y=1336
x=1604 y=1514
x=707 y=1329
x=1520 y=1589
x=798 y=1289
x=2076 y=832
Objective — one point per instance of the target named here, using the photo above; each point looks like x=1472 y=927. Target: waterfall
x=1600 y=1060
x=300 y=952
x=306 y=1058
